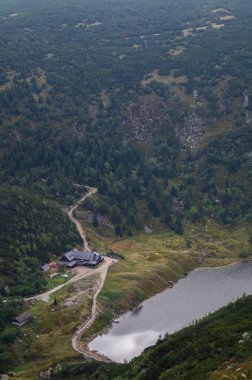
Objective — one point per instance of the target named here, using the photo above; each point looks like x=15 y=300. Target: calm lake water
x=201 y=292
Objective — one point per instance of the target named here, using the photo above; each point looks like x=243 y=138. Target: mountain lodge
x=77 y=258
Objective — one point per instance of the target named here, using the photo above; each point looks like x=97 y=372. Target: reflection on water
x=137 y=310
x=127 y=346
x=201 y=292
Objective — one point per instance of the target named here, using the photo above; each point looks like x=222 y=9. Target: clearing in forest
x=217 y=26
x=177 y=51
x=165 y=79
x=226 y=17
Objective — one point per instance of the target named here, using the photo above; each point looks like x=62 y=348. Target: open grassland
x=151 y=261
x=165 y=79
x=47 y=340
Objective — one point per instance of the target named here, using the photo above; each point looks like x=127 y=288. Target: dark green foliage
x=76 y=111
x=73 y=111
x=192 y=353
x=227 y=195
x=31 y=231
x=9 y=335
x=7 y=360
x=89 y=371
x=100 y=159
x=8 y=310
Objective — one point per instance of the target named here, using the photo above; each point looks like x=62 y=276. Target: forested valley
x=148 y=101
x=120 y=104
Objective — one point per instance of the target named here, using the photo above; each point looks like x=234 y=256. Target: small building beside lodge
x=77 y=258
x=46 y=268
x=22 y=318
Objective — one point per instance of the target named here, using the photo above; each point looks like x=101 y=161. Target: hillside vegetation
x=217 y=347
x=122 y=104
x=151 y=103
x=32 y=230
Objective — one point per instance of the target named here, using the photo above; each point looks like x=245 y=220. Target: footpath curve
x=77 y=335
x=103 y=273
x=70 y=214
x=83 y=273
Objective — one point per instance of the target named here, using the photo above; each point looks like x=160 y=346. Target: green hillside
x=217 y=347
x=123 y=104
x=32 y=230
x=149 y=101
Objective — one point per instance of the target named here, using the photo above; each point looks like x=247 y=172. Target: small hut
x=22 y=318
x=46 y=268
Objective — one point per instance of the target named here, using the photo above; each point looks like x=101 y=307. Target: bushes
x=31 y=230
x=7 y=311
x=7 y=360
x=9 y=335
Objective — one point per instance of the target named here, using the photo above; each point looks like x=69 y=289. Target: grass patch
x=136 y=46
x=58 y=280
x=227 y=17
x=217 y=26
x=165 y=79
x=47 y=340
x=10 y=77
x=188 y=32
x=177 y=51
x=153 y=260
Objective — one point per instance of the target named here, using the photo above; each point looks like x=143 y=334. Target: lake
x=202 y=292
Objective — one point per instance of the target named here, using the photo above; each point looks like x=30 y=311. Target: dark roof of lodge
x=23 y=317
x=69 y=255
x=87 y=256
x=75 y=255
x=72 y=263
x=92 y=262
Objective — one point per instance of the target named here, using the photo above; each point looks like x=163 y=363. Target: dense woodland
x=32 y=233
x=149 y=101
x=221 y=340
x=40 y=231
x=77 y=111
x=80 y=103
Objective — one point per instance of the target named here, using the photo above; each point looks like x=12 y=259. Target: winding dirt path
x=70 y=213
x=83 y=272
x=76 y=344
x=103 y=269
